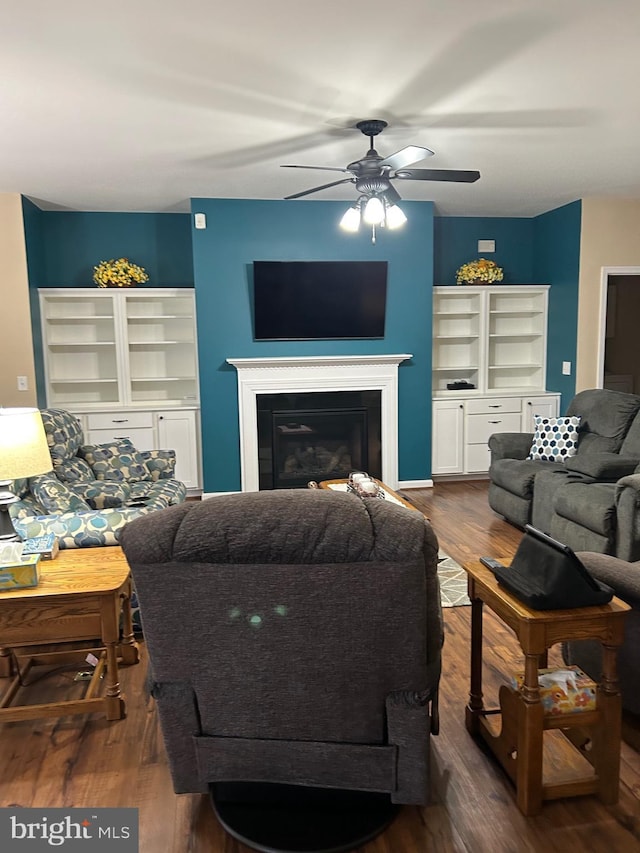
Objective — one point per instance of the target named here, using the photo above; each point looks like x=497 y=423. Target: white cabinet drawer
x=477 y=458
x=493 y=404
x=119 y=420
x=142 y=438
x=481 y=427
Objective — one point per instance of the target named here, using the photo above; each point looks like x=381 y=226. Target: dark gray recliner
x=523 y=490
x=624 y=578
x=294 y=637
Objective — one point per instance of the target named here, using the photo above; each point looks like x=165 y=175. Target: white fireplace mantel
x=316 y=373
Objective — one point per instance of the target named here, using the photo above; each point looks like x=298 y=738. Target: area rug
x=453 y=582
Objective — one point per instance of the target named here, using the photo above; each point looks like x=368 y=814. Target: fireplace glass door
x=312 y=438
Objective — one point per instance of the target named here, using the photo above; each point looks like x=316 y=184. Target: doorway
x=619 y=353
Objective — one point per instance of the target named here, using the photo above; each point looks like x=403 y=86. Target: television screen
x=319 y=300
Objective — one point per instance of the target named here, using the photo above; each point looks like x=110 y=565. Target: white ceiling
x=140 y=105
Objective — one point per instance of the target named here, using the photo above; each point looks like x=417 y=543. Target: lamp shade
x=24 y=451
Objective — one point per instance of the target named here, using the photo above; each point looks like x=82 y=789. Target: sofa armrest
x=161 y=463
x=627 y=500
x=510 y=445
x=607 y=467
x=623 y=577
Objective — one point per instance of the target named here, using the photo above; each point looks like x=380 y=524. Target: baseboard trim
x=206 y=495
x=415 y=484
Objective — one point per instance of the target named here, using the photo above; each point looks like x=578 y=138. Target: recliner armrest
x=602 y=466
x=161 y=463
x=623 y=577
x=510 y=445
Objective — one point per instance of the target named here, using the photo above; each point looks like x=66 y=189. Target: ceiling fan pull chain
x=373 y=233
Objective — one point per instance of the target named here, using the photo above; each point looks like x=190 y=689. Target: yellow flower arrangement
x=480 y=271
x=119 y=273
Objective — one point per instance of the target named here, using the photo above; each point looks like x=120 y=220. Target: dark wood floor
x=85 y=761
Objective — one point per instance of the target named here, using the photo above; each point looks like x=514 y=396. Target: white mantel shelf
x=316 y=373
x=316 y=360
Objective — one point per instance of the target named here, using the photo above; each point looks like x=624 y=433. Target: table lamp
x=24 y=452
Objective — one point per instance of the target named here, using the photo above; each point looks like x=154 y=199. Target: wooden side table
x=80 y=596
x=520 y=745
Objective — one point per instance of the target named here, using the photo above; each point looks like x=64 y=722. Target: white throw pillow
x=555 y=439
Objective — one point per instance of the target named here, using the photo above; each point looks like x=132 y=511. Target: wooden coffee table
x=80 y=596
x=341 y=485
x=516 y=736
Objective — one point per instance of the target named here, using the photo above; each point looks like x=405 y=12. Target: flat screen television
x=319 y=300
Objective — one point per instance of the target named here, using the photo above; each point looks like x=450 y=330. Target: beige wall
x=610 y=237
x=16 y=347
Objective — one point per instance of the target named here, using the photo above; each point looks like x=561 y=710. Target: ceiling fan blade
x=321 y=168
x=406 y=156
x=323 y=187
x=464 y=176
x=392 y=195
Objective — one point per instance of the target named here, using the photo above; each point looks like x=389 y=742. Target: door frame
x=604 y=282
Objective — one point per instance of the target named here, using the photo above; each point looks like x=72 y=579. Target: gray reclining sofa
x=591 y=501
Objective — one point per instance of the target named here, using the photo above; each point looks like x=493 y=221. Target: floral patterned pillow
x=116 y=460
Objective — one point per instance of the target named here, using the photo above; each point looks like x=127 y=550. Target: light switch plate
x=200 y=220
x=486 y=245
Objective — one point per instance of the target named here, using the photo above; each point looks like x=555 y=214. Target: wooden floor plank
x=86 y=761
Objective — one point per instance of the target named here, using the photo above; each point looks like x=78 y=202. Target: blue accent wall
x=240 y=231
x=456 y=242
x=62 y=248
x=557 y=261
x=73 y=243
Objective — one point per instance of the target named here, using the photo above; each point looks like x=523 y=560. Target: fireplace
x=317 y=436
x=314 y=375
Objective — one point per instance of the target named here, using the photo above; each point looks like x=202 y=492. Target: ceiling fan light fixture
x=395 y=216
x=351 y=219
x=374 y=212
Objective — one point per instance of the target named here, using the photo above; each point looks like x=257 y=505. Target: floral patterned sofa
x=93 y=490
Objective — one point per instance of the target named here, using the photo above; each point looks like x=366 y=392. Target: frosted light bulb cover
x=373 y=211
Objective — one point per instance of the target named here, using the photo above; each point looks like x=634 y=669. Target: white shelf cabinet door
x=178 y=430
x=546 y=406
x=81 y=348
x=448 y=437
x=516 y=326
x=161 y=347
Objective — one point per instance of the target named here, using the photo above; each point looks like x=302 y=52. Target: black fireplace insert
x=317 y=436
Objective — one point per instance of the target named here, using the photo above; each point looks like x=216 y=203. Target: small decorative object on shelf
x=481 y=271
x=119 y=273
x=460 y=385
x=361 y=484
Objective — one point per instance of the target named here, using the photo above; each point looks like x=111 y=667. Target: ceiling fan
x=373 y=174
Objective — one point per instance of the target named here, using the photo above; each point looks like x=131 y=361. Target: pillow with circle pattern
x=115 y=460
x=555 y=439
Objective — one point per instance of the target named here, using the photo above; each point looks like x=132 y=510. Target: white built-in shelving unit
x=493 y=337
x=125 y=362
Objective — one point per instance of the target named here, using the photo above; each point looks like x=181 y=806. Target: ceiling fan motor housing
x=371 y=126
x=372 y=185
